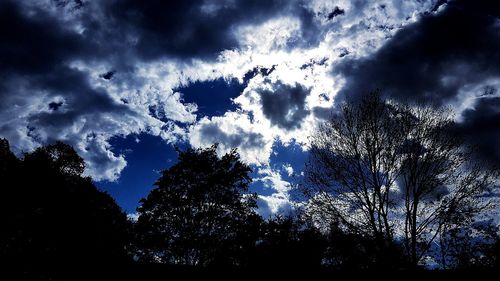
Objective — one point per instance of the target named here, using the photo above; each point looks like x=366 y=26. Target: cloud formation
x=447 y=57
x=481 y=127
x=233 y=130
x=85 y=72
x=284 y=105
x=50 y=88
x=278 y=201
x=186 y=29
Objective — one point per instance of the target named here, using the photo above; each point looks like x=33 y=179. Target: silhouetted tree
x=440 y=183
x=380 y=169
x=353 y=160
x=56 y=224
x=201 y=212
x=287 y=242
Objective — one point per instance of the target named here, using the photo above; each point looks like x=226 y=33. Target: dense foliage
x=54 y=219
x=200 y=213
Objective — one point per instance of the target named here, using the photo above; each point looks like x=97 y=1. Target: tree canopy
x=201 y=212
x=54 y=219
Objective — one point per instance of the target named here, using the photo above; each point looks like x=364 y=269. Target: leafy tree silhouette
x=56 y=223
x=201 y=213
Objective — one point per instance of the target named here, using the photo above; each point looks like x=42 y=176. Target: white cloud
x=272 y=179
x=87 y=119
x=234 y=129
x=270 y=45
x=288 y=168
x=102 y=163
x=279 y=201
x=133 y=217
x=274 y=204
x=274 y=34
x=143 y=99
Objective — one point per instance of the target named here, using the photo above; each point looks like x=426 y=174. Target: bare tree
x=354 y=161
x=383 y=169
x=440 y=183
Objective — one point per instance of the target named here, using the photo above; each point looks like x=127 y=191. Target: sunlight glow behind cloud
x=121 y=75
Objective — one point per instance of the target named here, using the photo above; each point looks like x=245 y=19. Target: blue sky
x=124 y=81
x=148 y=155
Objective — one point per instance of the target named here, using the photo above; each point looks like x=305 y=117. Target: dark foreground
x=138 y=271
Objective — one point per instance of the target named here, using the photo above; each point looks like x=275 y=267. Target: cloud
x=279 y=200
x=273 y=204
x=284 y=105
x=133 y=217
x=289 y=86
x=481 y=125
x=33 y=43
x=273 y=34
x=233 y=130
x=436 y=60
x=272 y=179
x=288 y=168
x=102 y=164
x=86 y=71
x=187 y=28
x=430 y=59
x=52 y=89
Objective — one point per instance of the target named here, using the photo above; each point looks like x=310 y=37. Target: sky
x=125 y=82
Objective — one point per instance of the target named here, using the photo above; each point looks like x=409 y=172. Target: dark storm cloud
x=122 y=31
x=322 y=112
x=32 y=44
x=203 y=28
x=35 y=50
x=190 y=28
x=243 y=140
x=72 y=85
x=36 y=43
x=431 y=60
x=481 y=128
x=43 y=97
x=284 y=106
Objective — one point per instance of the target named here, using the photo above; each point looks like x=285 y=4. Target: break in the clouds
x=86 y=72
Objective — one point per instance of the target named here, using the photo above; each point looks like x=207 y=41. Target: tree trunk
x=414 y=260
